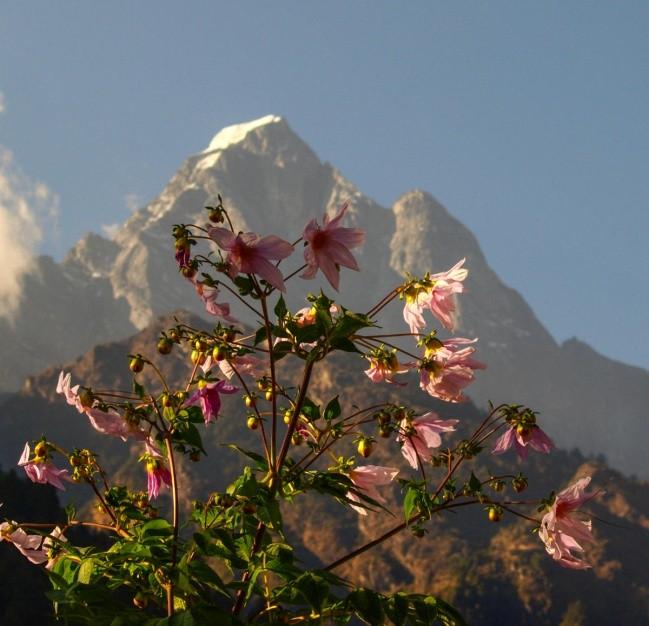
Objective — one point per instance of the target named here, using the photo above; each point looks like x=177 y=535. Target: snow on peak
x=236 y=133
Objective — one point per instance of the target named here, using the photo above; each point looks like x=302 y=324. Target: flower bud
x=365 y=448
x=136 y=364
x=85 y=397
x=40 y=451
x=519 y=483
x=166 y=400
x=495 y=513
x=288 y=414
x=253 y=422
x=268 y=395
x=384 y=432
x=182 y=243
x=249 y=401
x=165 y=345
x=219 y=353
x=216 y=216
x=197 y=357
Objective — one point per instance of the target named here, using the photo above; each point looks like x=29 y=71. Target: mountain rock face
x=272 y=182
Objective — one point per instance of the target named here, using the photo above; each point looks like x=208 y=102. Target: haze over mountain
x=272 y=182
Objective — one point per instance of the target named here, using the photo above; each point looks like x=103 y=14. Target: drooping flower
x=40 y=469
x=249 y=253
x=520 y=436
x=183 y=257
x=328 y=247
x=246 y=364
x=208 y=294
x=367 y=478
x=436 y=293
x=105 y=422
x=447 y=368
x=421 y=434
x=71 y=393
x=38 y=549
x=563 y=526
x=209 y=398
x=384 y=365
x=156 y=470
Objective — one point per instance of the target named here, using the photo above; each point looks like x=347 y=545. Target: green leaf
x=367 y=605
x=138 y=389
x=259 y=460
x=396 y=608
x=310 y=409
x=280 y=308
x=281 y=349
x=332 y=410
x=313 y=588
x=349 y=323
x=260 y=335
x=410 y=502
x=474 y=484
x=344 y=344
x=85 y=571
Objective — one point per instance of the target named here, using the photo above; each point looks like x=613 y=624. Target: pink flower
x=183 y=256
x=208 y=295
x=157 y=472
x=40 y=469
x=249 y=253
x=367 y=478
x=522 y=436
x=447 y=368
x=70 y=393
x=329 y=246
x=247 y=364
x=562 y=527
x=384 y=366
x=210 y=399
x=436 y=293
x=420 y=435
x=106 y=422
x=36 y=548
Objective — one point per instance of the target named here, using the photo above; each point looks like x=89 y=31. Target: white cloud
x=27 y=210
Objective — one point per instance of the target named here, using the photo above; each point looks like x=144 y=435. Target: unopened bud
x=495 y=513
x=365 y=448
x=136 y=364
x=252 y=422
x=165 y=345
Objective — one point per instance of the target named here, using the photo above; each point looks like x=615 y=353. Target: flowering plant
x=228 y=559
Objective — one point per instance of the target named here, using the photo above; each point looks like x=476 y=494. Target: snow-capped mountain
x=272 y=182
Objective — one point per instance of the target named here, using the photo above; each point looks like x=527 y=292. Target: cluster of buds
x=84 y=465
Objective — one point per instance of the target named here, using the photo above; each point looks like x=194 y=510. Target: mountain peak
x=237 y=132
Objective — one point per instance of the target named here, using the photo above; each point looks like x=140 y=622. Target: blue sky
x=528 y=120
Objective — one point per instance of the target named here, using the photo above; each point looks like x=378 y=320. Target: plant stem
x=390 y=533
x=174 y=546
x=294 y=418
x=271 y=360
